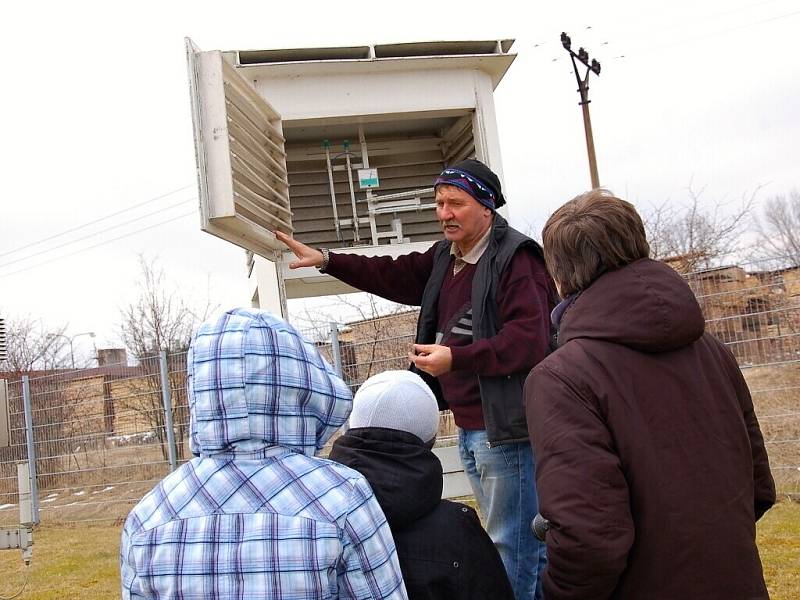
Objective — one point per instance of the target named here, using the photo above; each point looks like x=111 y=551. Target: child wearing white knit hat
x=398 y=400
x=444 y=552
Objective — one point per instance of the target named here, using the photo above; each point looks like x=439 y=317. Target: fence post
x=335 y=349
x=166 y=396
x=26 y=400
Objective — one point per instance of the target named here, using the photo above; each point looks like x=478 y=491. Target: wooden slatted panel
x=258 y=159
x=243 y=180
x=467 y=152
x=460 y=146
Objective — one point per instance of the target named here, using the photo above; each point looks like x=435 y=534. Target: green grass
x=73 y=562
x=69 y=562
x=778 y=535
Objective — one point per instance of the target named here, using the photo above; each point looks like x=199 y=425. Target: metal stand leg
x=327 y=146
x=356 y=235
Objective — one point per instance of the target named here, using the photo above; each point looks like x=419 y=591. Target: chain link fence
x=755 y=309
x=102 y=437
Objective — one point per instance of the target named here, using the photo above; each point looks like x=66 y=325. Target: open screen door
x=241 y=160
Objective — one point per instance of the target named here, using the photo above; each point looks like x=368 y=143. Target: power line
x=646 y=50
x=91 y=235
x=647 y=36
x=696 y=19
x=98 y=245
x=47 y=239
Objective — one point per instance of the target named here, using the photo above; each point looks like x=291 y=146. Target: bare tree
x=379 y=336
x=779 y=228
x=32 y=345
x=160 y=319
x=699 y=233
x=383 y=341
x=35 y=347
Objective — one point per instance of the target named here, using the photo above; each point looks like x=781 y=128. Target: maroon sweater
x=522 y=298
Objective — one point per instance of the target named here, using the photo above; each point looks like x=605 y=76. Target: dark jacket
x=416 y=279
x=443 y=550
x=650 y=464
x=501 y=396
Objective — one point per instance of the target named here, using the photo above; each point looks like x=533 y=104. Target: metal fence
x=100 y=438
x=755 y=309
x=97 y=439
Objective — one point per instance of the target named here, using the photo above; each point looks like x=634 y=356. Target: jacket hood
x=404 y=474
x=254 y=383
x=645 y=306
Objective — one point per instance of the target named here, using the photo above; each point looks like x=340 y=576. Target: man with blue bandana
x=485 y=299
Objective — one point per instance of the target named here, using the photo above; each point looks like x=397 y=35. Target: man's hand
x=431 y=358
x=308 y=256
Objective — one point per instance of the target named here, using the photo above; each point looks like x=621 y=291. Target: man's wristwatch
x=326 y=256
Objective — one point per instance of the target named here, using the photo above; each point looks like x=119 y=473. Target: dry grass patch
x=71 y=562
x=68 y=563
x=778 y=533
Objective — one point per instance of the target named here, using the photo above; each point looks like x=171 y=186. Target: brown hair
x=591 y=234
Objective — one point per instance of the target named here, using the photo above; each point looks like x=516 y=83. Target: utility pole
x=583 y=89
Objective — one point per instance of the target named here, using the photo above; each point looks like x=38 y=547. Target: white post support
x=21 y=537
x=34 y=485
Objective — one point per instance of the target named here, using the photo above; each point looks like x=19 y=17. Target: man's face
x=464 y=220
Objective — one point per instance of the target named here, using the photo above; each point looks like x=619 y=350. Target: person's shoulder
x=152 y=510
x=567 y=362
x=352 y=488
x=321 y=474
x=342 y=471
x=522 y=247
x=449 y=516
x=525 y=262
x=529 y=252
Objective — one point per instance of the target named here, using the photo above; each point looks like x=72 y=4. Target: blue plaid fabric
x=256 y=515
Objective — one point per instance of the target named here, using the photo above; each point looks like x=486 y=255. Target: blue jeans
x=504 y=483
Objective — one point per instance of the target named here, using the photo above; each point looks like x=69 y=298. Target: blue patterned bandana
x=470 y=184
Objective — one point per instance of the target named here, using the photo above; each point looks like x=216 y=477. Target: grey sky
x=96 y=119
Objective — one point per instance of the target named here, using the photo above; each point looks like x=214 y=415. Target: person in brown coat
x=651 y=467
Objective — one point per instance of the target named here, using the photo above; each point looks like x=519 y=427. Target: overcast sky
x=96 y=121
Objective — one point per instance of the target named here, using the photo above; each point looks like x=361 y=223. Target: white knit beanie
x=397 y=400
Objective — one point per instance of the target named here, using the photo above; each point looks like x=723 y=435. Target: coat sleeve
x=523 y=302
x=400 y=279
x=369 y=567
x=763 y=483
x=582 y=489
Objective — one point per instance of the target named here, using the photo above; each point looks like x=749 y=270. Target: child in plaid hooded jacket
x=255 y=514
